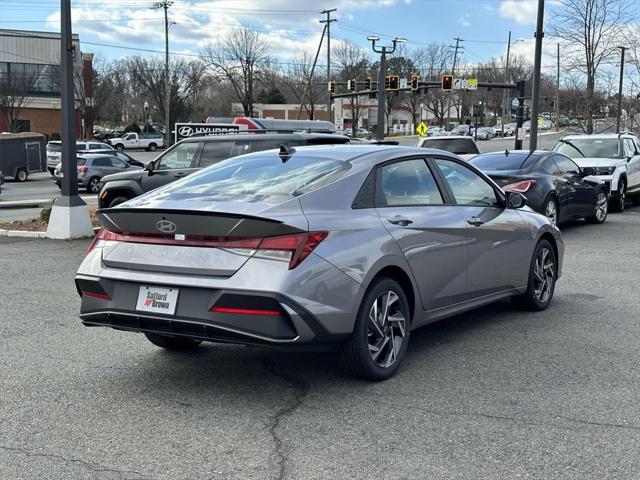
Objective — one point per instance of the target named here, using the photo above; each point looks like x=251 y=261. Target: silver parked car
x=348 y=245
x=92 y=167
x=54 y=151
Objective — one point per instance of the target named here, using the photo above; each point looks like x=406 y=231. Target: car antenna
x=286 y=153
x=506 y=152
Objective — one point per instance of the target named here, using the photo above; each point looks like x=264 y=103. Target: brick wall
x=46 y=121
x=292 y=114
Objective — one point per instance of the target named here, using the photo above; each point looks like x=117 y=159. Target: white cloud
x=464 y=20
x=522 y=11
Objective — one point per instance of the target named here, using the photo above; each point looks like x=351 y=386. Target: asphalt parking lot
x=494 y=393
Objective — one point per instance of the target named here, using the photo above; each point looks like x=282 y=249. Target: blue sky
x=291 y=25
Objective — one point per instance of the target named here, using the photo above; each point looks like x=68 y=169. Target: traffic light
x=392 y=83
x=414 y=82
x=351 y=85
x=447 y=83
x=367 y=83
x=332 y=87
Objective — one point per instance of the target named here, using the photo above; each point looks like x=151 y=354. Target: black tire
x=530 y=300
x=117 y=201
x=172 y=343
x=356 y=354
x=551 y=203
x=152 y=147
x=93 y=185
x=618 y=198
x=601 y=208
x=21 y=175
x=119 y=147
x=52 y=171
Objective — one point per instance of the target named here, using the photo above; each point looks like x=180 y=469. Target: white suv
x=614 y=158
x=54 y=151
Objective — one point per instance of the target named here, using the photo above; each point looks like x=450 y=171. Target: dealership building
x=30 y=82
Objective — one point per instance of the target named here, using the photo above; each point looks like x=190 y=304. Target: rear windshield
x=459 y=146
x=54 y=147
x=81 y=161
x=589 y=147
x=500 y=161
x=263 y=178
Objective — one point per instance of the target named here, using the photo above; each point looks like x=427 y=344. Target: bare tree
x=239 y=58
x=354 y=63
x=304 y=87
x=186 y=78
x=14 y=90
x=432 y=62
x=595 y=27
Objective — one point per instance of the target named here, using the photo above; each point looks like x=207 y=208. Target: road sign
x=459 y=83
x=521 y=133
x=403 y=83
x=422 y=129
x=472 y=84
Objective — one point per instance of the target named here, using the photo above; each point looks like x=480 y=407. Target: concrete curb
x=22 y=233
x=26 y=204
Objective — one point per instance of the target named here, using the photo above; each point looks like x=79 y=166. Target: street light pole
x=165 y=4
x=382 y=75
x=69 y=215
x=619 y=113
x=535 y=95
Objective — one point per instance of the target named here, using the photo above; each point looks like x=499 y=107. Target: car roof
x=262 y=136
x=601 y=135
x=518 y=152
x=448 y=137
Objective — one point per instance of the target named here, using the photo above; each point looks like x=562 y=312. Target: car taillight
x=290 y=248
x=83 y=169
x=520 y=187
x=295 y=247
x=102 y=235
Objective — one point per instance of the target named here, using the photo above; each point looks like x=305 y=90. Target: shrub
x=132 y=127
x=45 y=213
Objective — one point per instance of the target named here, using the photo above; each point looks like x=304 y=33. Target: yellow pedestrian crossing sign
x=422 y=129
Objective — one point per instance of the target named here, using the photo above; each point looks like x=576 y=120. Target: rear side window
x=81 y=161
x=566 y=165
x=102 y=162
x=264 y=178
x=408 y=182
x=95 y=146
x=214 y=152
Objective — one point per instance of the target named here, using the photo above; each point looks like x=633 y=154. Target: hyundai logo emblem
x=166 y=226
x=185 y=131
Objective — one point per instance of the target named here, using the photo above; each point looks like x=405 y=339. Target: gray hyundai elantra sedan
x=350 y=246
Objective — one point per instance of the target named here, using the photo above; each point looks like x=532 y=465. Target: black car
x=553 y=184
x=194 y=153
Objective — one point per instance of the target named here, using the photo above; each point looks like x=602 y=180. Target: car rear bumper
x=316 y=305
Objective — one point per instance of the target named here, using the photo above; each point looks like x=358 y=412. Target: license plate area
x=157 y=299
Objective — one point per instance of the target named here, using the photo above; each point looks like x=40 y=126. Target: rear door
x=103 y=165
x=633 y=164
x=215 y=151
x=33 y=156
x=499 y=241
x=176 y=163
x=427 y=229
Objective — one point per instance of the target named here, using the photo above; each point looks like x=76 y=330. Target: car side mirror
x=149 y=167
x=516 y=200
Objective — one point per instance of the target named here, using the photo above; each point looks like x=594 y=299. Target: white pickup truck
x=148 y=141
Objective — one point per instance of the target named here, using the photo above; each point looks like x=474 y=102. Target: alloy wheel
x=544 y=276
x=602 y=205
x=622 y=195
x=386 y=330
x=551 y=211
x=93 y=185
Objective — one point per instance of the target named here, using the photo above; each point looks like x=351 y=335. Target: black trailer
x=22 y=154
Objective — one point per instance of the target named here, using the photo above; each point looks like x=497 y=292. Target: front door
x=176 y=163
x=582 y=196
x=632 y=154
x=499 y=242
x=429 y=232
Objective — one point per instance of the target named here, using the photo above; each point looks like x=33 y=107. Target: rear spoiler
x=198 y=223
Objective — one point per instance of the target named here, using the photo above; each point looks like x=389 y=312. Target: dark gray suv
x=195 y=153
x=92 y=167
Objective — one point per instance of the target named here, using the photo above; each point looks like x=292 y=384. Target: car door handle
x=400 y=220
x=180 y=174
x=475 y=221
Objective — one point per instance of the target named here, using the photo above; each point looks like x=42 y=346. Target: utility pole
x=165 y=4
x=558 y=93
x=382 y=75
x=535 y=94
x=328 y=22
x=619 y=113
x=453 y=74
x=505 y=107
x=313 y=68
x=69 y=215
